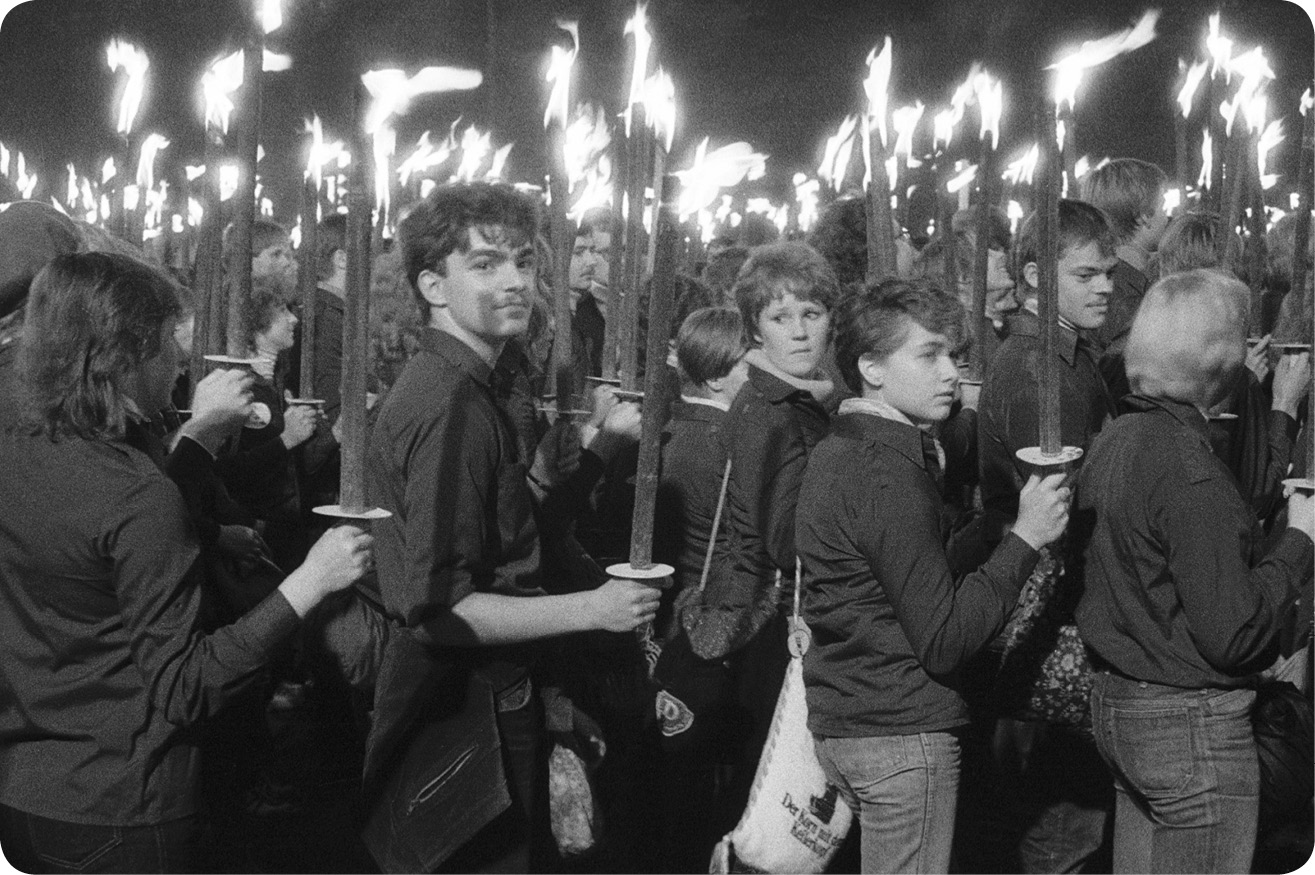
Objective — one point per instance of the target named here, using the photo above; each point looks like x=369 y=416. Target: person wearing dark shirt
x=1130 y=192
x=695 y=704
x=101 y=655
x=589 y=278
x=890 y=625
x=459 y=557
x=1066 y=791
x=319 y=459
x=1175 y=609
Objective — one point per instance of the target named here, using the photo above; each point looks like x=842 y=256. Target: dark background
x=780 y=74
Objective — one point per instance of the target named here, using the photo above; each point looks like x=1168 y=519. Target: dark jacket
x=890 y=625
x=1008 y=413
x=1173 y=592
x=692 y=465
x=771 y=429
x=102 y=659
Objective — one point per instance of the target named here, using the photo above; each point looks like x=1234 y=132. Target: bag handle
x=716 y=525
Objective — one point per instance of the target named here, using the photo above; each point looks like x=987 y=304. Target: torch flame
x=217 y=84
x=72 y=196
x=1254 y=69
x=638 y=25
x=271 y=15
x=1207 y=156
x=1194 y=77
x=905 y=121
x=990 y=101
x=713 y=171
x=559 y=74
x=968 y=175
x=1271 y=137
x=383 y=145
x=805 y=192
x=1093 y=53
x=499 y=162
x=273 y=62
x=151 y=147
x=125 y=56
x=1022 y=169
x=26 y=182
x=875 y=87
x=475 y=147
x=107 y=170
x=587 y=139
x=425 y=156
x=1220 y=47
x=660 y=106
x=392 y=91
x=835 y=156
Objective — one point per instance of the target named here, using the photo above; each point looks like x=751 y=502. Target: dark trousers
x=40 y=844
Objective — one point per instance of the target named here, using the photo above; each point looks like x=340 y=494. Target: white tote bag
x=795 y=820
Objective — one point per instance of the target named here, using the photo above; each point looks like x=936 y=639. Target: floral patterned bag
x=1044 y=672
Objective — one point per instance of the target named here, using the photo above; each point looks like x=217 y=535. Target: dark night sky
x=778 y=73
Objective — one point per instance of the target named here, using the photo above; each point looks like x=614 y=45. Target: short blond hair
x=1189 y=338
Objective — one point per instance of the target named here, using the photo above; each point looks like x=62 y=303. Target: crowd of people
x=1008 y=665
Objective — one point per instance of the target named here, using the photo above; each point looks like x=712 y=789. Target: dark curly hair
x=438 y=226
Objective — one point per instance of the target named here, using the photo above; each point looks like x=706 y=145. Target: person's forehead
x=1088 y=254
x=498 y=238
x=917 y=336
x=784 y=299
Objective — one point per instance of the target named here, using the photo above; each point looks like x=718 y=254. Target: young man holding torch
x=1067 y=789
x=452 y=762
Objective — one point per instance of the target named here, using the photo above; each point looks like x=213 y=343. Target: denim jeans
x=1187 y=780
x=40 y=844
x=904 y=789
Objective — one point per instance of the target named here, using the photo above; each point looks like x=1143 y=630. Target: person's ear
x=432 y=288
x=872 y=371
x=1031 y=274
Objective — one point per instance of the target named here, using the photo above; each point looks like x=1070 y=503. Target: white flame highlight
x=1093 y=53
x=123 y=55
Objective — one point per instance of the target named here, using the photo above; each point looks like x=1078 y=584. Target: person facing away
x=105 y=666
x=459 y=557
x=890 y=624
x=1175 y=611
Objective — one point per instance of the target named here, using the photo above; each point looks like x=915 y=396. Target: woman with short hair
x=1175 y=615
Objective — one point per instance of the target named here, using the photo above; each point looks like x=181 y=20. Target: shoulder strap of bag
x=716 y=525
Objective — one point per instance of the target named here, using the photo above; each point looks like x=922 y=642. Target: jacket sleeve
x=1233 y=612
x=945 y=623
x=188 y=675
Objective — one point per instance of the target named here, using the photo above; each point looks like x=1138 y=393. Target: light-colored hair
x=1189 y=338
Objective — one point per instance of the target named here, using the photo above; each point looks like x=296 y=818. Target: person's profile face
x=920 y=377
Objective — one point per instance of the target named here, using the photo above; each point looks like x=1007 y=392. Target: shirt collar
x=1184 y=413
x=1027 y=324
x=862 y=420
x=454 y=351
x=706 y=402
